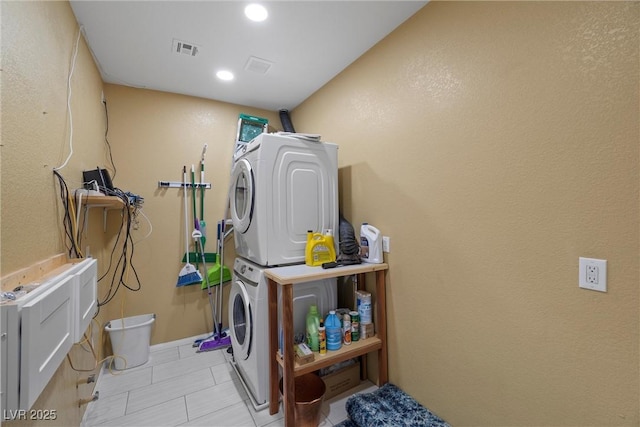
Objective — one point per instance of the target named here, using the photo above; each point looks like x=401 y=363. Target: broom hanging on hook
x=189 y=275
x=199 y=223
x=196 y=222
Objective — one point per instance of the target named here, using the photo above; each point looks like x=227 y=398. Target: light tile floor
x=179 y=387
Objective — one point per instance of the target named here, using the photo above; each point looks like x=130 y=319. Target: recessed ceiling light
x=224 y=75
x=256 y=12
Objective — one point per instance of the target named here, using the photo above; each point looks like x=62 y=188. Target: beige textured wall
x=153 y=134
x=38 y=39
x=497 y=142
x=484 y=138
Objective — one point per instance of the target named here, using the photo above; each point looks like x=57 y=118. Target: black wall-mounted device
x=101 y=177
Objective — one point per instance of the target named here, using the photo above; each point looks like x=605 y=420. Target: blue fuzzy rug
x=388 y=407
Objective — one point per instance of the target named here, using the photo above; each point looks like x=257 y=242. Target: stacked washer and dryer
x=282 y=185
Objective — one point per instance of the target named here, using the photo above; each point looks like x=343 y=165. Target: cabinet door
x=85 y=297
x=47 y=336
x=10 y=356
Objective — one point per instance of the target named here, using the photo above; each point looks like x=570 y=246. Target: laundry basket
x=130 y=339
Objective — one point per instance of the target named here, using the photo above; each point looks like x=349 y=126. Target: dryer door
x=241 y=195
x=240 y=320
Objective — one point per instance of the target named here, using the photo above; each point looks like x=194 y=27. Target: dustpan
x=214 y=275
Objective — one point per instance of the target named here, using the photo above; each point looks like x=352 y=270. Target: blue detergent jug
x=333 y=328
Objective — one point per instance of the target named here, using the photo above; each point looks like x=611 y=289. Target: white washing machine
x=281 y=187
x=248 y=322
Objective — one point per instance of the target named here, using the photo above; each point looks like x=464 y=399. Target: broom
x=189 y=275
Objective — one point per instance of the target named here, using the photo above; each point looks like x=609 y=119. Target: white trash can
x=130 y=340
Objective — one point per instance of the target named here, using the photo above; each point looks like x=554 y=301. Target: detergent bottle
x=370 y=244
x=313 y=326
x=320 y=248
x=333 y=327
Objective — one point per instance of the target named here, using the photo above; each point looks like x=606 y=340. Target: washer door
x=241 y=320
x=242 y=195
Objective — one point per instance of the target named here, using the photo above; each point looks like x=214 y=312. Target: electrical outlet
x=592 y=274
x=386 y=243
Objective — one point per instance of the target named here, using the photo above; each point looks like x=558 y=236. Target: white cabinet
x=46 y=338
x=39 y=329
x=86 y=297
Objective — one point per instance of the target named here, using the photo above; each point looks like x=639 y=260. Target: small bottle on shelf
x=322 y=338
x=346 y=329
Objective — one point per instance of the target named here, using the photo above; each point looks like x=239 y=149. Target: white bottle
x=370 y=244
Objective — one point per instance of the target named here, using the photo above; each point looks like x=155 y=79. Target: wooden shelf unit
x=286 y=278
x=106 y=203
x=355 y=349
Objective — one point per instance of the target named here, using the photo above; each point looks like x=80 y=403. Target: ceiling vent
x=185 y=48
x=257 y=65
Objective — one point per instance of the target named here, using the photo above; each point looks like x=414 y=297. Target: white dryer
x=281 y=187
x=248 y=322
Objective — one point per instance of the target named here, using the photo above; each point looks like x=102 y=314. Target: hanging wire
x=106 y=139
x=68 y=220
x=124 y=263
x=73 y=66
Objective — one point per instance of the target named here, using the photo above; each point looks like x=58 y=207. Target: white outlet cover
x=585 y=282
x=386 y=243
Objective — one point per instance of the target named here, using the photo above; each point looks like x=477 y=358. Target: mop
x=225 y=274
x=213 y=271
x=215 y=275
x=217 y=340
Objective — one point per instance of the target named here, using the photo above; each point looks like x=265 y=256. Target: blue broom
x=189 y=275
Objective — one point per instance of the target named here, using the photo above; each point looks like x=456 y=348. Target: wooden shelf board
x=303 y=273
x=355 y=349
x=107 y=202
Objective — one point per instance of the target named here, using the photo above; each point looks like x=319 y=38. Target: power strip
x=86 y=192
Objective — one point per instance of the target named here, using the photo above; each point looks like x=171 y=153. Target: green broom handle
x=204 y=152
x=202 y=191
x=193 y=188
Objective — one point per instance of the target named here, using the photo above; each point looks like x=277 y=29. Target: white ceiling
x=307 y=43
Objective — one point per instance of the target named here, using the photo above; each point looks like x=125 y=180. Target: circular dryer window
x=241 y=320
x=241 y=195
